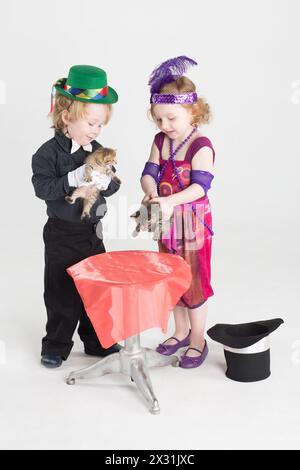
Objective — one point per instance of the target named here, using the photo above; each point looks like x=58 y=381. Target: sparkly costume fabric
x=187 y=236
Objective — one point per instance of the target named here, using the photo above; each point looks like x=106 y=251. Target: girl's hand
x=167 y=207
x=148 y=197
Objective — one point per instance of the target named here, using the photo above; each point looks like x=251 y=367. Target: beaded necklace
x=172 y=159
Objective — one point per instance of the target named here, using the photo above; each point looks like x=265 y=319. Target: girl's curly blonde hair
x=201 y=111
x=76 y=109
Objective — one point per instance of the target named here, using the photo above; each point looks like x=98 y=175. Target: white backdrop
x=249 y=72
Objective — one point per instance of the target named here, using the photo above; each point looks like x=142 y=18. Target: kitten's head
x=104 y=157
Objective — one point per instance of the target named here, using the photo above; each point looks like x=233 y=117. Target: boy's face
x=172 y=119
x=86 y=129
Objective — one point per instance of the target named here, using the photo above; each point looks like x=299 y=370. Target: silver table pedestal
x=134 y=361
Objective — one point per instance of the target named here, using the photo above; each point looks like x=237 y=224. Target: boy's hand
x=76 y=177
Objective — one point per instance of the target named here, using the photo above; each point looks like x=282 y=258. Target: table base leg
x=132 y=360
x=140 y=375
x=154 y=359
x=108 y=365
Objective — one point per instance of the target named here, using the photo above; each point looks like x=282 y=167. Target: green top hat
x=86 y=83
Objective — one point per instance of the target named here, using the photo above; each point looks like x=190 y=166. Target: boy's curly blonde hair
x=201 y=112
x=75 y=108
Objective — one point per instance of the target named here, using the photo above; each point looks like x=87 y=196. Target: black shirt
x=50 y=166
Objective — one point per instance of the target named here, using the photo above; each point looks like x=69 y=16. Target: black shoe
x=102 y=352
x=51 y=361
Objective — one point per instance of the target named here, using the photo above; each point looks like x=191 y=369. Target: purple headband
x=184 y=98
x=167 y=72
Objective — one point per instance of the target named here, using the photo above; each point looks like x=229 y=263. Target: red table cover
x=126 y=292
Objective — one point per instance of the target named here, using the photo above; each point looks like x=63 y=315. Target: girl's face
x=172 y=119
x=86 y=129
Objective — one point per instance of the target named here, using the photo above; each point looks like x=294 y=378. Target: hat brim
x=243 y=335
x=110 y=98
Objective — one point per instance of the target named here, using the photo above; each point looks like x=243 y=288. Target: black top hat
x=246 y=348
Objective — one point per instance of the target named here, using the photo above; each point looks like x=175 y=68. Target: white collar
x=76 y=146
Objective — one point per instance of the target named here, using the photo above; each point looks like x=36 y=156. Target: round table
x=125 y=293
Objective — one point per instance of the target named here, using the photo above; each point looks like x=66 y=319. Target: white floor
x=200 y=408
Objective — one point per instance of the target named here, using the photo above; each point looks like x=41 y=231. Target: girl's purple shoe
x=189 y=362
x=169 y=349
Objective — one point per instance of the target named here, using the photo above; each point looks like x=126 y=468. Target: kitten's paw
x=85 y=216
x=116 y=179
x=69 y=199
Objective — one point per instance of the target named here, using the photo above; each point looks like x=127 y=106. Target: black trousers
x=66 y=243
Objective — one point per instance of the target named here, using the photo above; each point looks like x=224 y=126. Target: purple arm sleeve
x=203 y=178
x=151 y=169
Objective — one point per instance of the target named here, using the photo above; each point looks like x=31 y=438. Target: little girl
x=178 y=175
x=82 y=105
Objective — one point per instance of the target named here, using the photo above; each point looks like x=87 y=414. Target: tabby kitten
x=98 y=170
x=149 y=219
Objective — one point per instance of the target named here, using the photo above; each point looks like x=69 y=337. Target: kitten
x=149 y=218
x=98 y=170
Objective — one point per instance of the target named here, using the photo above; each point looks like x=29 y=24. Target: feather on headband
x=169 y=71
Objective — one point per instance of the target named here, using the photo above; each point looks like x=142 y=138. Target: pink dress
x=190 y=232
